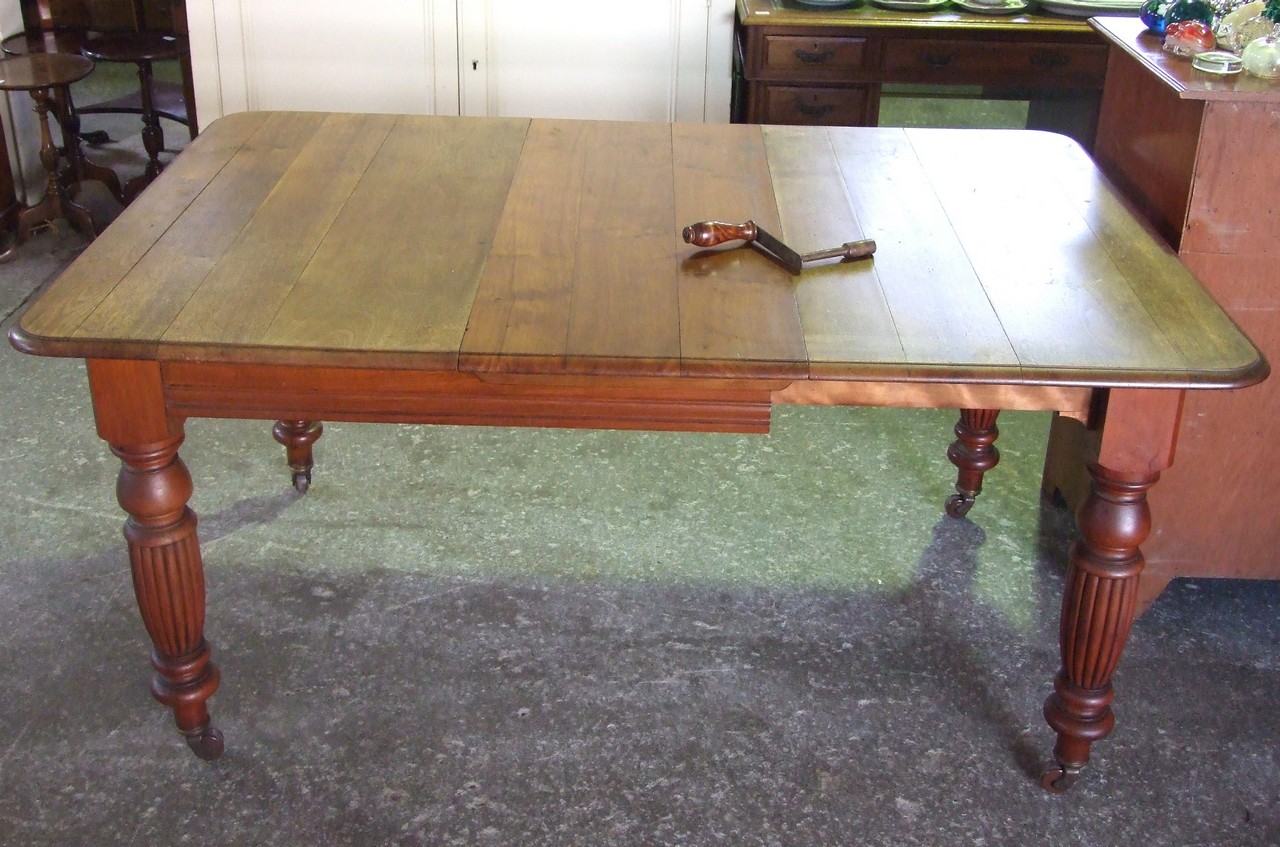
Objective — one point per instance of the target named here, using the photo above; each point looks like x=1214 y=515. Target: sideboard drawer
x=995 y=63
x=812 y=57
x=811 y=106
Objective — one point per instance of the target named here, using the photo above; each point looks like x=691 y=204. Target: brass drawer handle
x=936 y=60
x=1048 y=59
x=814 y=57
x=815 y=111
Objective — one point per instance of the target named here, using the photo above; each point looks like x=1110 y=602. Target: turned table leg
x=973 y=453
x=154 y=487
x=297 y=438
x=1098 y=606
x=168 y=580
x=1100 y=597
x=55 y=204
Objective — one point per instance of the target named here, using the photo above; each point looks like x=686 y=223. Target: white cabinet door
x=392 y=56
x=640 y=60
x=656 y=60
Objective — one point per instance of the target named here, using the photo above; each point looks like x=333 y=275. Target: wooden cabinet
x=812 y=105
x=1030 y=64
x=1197 y=155
x=647 y=59
x=814 y=66
x=811 y=58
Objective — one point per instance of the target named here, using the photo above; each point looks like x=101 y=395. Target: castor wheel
x=206 y=743
x=958 y=505
x=302 y=481
x=1059 y=779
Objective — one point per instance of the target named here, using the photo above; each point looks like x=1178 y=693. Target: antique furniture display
x=300 y=267
x=1196 y=153
x=138 y=29
x=47 y=76
x=828 y=66
x=142 y=49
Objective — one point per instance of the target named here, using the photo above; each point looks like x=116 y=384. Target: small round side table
x=80 y=167
x=141 y=49
x=46 y=76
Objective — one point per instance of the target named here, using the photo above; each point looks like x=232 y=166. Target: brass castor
x=206 y=743
x=302 y=481
x=958 y=505
x=1059 y=779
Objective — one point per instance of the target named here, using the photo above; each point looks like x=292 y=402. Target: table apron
x=225 y=390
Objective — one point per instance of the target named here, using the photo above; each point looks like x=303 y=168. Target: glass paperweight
x=1262 y=57
x=1218 y=62
x=1151 y=13
x=1188 y=38
x=1188 y=10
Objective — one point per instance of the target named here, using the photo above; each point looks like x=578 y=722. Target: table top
x=1176 y=72
x=42 y=70
x=554 y=247
x=135 y=47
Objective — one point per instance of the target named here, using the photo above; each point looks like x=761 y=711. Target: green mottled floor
x=468 y=636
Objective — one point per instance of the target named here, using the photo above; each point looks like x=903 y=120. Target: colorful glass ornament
x=1262 y=57
x=1188 y=10
x=1188 y=38
x=1151 y=13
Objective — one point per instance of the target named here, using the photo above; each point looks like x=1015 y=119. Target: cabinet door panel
x=393 y=56
x=644 y=60
x=336 y=55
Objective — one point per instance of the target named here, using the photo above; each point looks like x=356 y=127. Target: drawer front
x=995 y=63
x=809 y=57
x=807 y=105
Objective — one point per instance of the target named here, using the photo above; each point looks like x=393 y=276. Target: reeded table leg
x=973 y=453
x=297 y=438
x=1100 y=596
x=164 y=550
x=168 y=580
x=1098 y=604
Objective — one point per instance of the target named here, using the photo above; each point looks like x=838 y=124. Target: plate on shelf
x=911 y=5
x=825 y=4
x=1004 y=7
x=1089 y=8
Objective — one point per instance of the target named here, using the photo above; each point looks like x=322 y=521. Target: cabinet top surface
x=554 y=247
x=864 y=15
x=1190 y=84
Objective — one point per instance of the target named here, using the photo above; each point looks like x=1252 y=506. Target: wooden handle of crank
x=711 y=233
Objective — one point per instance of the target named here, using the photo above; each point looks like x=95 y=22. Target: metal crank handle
x=848 y=250
x=711 y=233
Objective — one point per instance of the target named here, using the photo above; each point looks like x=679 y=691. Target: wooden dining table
x=302 y=267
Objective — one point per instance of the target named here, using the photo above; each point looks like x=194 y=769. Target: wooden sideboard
x=1197 y=154
x=807 y=66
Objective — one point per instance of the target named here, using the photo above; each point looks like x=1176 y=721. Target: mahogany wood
x=813 y=67
x=973 y=453
x=1195 y=154
x=64 y=25
x=297 y=437
x=142 y=49
x=48 y=77
x=305 y=267
x=164 y=551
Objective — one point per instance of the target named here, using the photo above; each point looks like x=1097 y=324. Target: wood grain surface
x=553 y=248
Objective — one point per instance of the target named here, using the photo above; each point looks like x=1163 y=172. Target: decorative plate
x=1089 y=8
x=1003 y=7
x=911 y=5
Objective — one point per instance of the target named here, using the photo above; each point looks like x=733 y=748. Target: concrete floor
x=527 y=637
